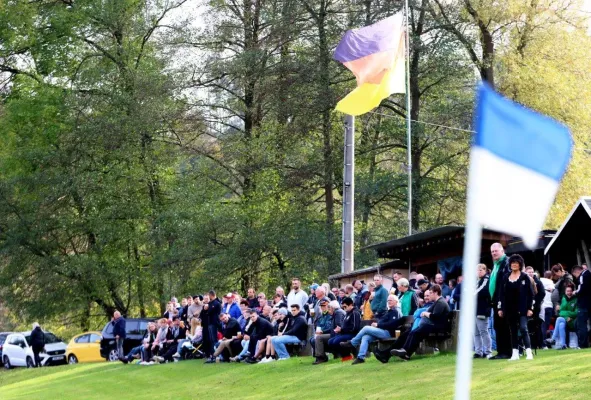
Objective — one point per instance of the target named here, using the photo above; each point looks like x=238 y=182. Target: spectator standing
x=396 y=275
x=516 y=305
x=297 y=295
x=409 y=300
x=251 y=297
x=501 y=327
x=482 y=341
x=118 y=323
x=379 y=304
x=583 y=294
x=445 y=290
x=562 y=279
x=457 y=293
x=37 y=343
x=195 y=309
x=547 y=311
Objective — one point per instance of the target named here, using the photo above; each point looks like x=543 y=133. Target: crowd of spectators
x=516 y=310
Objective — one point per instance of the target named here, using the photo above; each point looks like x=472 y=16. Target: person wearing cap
x=322 y=328
x=297 y=295
x=423 y=285
x=230 y=307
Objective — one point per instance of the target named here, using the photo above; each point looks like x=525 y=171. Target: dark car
x=3 y=336
x=135 y=329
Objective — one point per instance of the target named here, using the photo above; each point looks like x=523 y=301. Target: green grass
x=565 y=374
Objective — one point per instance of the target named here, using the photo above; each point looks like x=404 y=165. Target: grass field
x=553 y=374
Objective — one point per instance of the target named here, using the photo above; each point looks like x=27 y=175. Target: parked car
x=17 y=351
x=135 y=329
x=85 y=347
x=3 y=336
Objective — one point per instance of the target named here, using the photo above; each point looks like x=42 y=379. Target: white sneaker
x=283 y=359
x=176 y=355
x=515 y=356
x=265 y=360
x=151 y=363
x=530 y=356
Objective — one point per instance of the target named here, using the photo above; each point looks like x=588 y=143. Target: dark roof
x=580 y=227
x=374 y=268
x=443 y=230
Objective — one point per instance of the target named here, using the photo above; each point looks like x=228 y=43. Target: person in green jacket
x=379 y=303
x=566 y=317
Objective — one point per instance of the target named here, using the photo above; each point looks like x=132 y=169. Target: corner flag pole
x=472 y=247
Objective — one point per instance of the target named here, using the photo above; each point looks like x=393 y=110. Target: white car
x=17 y=352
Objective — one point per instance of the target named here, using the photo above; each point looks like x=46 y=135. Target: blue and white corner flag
x=516 y=163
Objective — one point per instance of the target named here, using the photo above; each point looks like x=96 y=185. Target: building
x=570 y=245
x=440 y=250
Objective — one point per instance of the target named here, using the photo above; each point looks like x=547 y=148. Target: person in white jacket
x=546 y=310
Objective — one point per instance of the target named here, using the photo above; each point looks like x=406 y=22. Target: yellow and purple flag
x=376 y=55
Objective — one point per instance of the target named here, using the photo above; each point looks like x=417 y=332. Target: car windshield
x=51 y=338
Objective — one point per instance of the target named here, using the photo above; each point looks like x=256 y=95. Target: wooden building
x=440 y=250
x=570 y=245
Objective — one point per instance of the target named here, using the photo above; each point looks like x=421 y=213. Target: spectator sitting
x=315 y=312
x=258 y=330
x=566 y=317
x=175 y=334
x=327 y=292
x=433 y=320
x=423 y=285
x=383 y=329
x=359 y=296
x=244 y=318
x=409 y=301
x=280 y=325
x=279 y=301
x=321 y=340
x=322 y=327
x=347 y=331
x=266 y=312
x=230 y=341
x=296 y=333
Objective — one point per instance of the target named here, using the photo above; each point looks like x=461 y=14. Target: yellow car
x=84 y=347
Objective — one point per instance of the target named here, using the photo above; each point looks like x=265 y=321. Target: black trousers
x=518 y=323
x=503 y=333
x=415 y=337
x=36 y=351
x=252 y=344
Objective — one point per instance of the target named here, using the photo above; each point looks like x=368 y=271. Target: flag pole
x=408 y=124
x=347 y=254
x=472 y=248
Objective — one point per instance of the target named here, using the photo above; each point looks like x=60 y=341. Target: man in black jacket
x=432 y=320
x=259 y=329
x=351 y=327
x=583 y=294
x=118 y=323
x=174 y=335
x=500 y=269
x=232 y=334
x=296 y=333
x=212 y=324
x=37 y=343
x=385 y=328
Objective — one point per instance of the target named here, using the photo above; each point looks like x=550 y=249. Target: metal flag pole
x=347 y=254
x=408 y=123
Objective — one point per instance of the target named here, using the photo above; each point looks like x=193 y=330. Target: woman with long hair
x=516 y=304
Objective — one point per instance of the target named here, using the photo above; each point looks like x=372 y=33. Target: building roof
x=373 y=268
x=443 y=230
x=582 y=207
